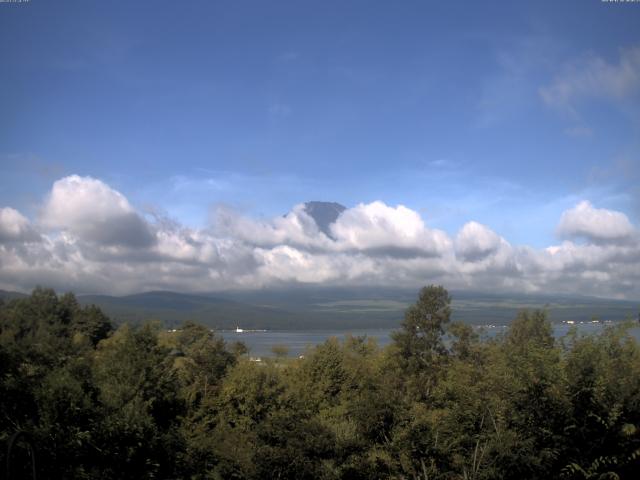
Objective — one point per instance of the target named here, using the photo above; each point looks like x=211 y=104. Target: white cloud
x=595 y=224
x=592 y=76
x=386 y=230
x=372 y=244
x=296 y=228
x=94 y=212
x=14 y=227
x=476 y=241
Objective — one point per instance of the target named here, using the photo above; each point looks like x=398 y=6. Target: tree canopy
x=440 y=402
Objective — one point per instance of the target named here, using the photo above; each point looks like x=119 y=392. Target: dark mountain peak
x=324 y=214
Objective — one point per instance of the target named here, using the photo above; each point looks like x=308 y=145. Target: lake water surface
x=260 y=343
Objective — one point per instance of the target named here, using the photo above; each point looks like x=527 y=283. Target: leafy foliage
x=438 y=403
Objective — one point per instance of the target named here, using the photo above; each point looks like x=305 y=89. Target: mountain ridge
x=314 y=308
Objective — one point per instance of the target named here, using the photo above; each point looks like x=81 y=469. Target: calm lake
x=260 y=343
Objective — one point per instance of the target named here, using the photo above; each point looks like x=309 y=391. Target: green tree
x=46 y=386
x=263 y=430
x=419 y=348
x=201 y=360
x=603 y=375
x=527 y=374
x=138 y=434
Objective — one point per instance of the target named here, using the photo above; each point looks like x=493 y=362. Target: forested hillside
x=140 y=402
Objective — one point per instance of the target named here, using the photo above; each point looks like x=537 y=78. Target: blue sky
x=504 y=113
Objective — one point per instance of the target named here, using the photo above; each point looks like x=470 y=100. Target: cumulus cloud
x=14 y=227
x=94 y=212
x=295 y=228
x=89 y=238
x=378 y=228
x=476 y=241
x=597 y=225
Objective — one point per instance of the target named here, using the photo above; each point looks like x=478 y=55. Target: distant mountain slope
x=174 y=308
x=501 y=309
x=8 y=295
x=386 y=306
x=306 y=308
